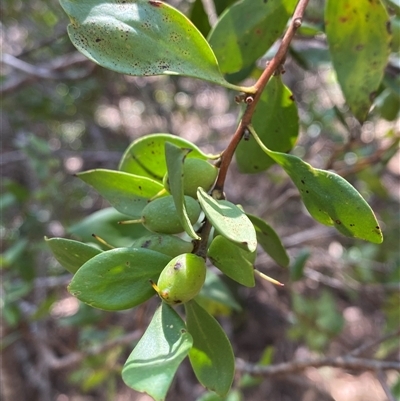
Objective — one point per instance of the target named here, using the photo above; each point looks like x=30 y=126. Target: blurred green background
x=62 y=114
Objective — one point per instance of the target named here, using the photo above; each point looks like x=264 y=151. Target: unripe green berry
x=182 y=278
x=196 y=173
x=160 y=215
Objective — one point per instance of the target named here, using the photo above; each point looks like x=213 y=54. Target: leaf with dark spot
x=141 y=37
x=359 y=49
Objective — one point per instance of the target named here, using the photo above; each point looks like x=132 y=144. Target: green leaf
x=245 y=31
x=170 y=245
x=199 y=17
x=270 y=241
x=16 y=251
x=233 y=395
x=329 y=198
x=211 y=356
x=71 y=254
x=221 y=5
x=388 y=104
x=359 y=43
x=118 y=279
x=233 y=261
x=393 y=5
x=146 y=155
x=297 y=268
x=229 y=220
x=215 y=296
x=128 y=193
x=277 y=124
x=175 y=157
x=152 y=364
x=105 y=224
x=141 y=37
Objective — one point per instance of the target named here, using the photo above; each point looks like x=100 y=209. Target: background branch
x=56 y=363
x=343 y=362
x=270 y=69
x=59 y=68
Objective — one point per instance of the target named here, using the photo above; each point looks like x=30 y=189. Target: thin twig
x=58 y=69
x=382 y=380
x=343 y=362
x=365 y=347
x=17 y=156
x=209 y=8
x=259 y=86
x=56 y=363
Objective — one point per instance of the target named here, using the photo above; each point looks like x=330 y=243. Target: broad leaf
x=221 y=5
x=128 y=193
x=270 y=241
x=104 y=223
x=170 y=245
x=146 y=155
x=71 y=254
x=215 y=296
x=329 y=198
x=118 y=279
x=211 y=355
x=359 y=43
x=152 y=364
x=199 y=17
x=229 y=220
x=141 y=37
x=245 y=31
x=277 y=124
x=175 y=157
x=233 y=261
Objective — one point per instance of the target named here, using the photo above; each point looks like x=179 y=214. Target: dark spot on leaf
x=307 y=192
x=183 y=331
x=177 y=301
x=98 y=40
x=128 y=263
x=352 y=225
x=359 y=47
x=146 y=244
x=302 y=181
x=338 y=222
x=372 y=96
x=155 y=3
x=177 y=266
x=389 y=27
x=377 y=227
x=291 y=97
x=343 y=19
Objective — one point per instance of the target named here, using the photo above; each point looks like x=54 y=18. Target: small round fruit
x=182 y=279
x=160 y=215
x=167 y=244
x=196 y=173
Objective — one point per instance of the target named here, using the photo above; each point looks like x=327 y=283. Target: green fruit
x=160 y=215
x=182 y=278
x=196 y=173
x=166 y=244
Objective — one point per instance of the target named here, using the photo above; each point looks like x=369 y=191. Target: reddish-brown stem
x=270 y=69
